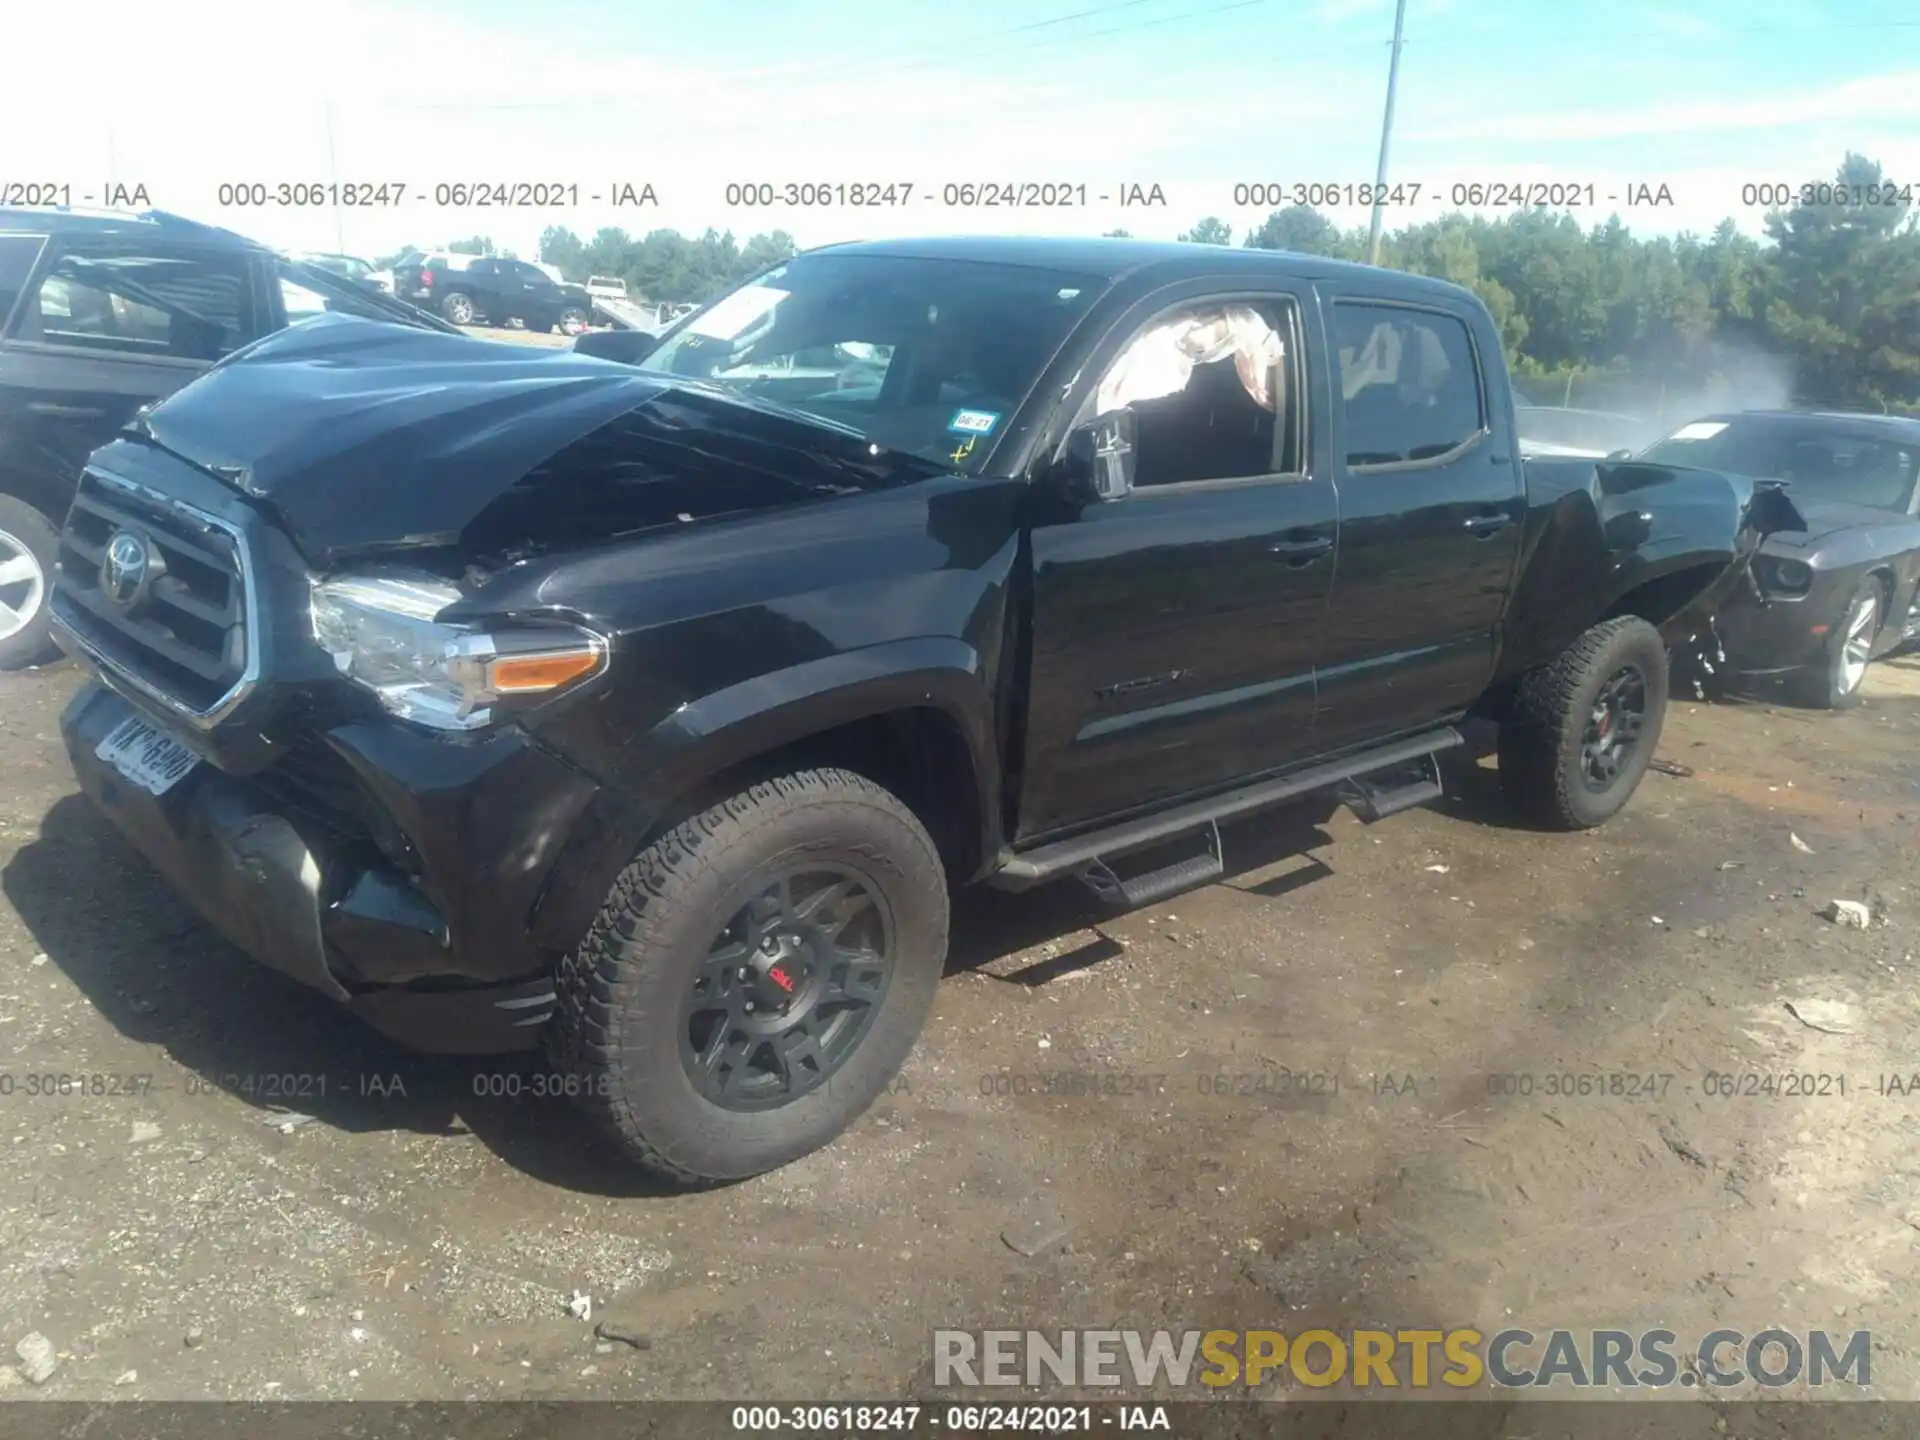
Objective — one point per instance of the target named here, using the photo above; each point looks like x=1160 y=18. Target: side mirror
x=1099 y=459
x=629 y=347
x=1619 y=455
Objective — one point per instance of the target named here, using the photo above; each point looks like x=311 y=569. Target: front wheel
x=1584 y=728
x=573 y=320
x=756 y=977
x=28 y=545
x=1835 y=682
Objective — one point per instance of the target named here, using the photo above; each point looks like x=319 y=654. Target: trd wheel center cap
x=782 y=966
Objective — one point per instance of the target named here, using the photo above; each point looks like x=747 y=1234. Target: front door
x=1175 y=629
x=1431 y=514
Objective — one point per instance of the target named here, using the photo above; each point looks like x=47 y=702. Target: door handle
x=1301 y=551
x=1484 y=526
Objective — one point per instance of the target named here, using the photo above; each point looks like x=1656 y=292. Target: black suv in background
x=100 y=315
x=490 y=288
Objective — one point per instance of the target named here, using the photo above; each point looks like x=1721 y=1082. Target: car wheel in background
x=28 y=545
x=756 y=977
x=573 y=320
x=458 y=308
x=1835 y=683
x=1584 y=728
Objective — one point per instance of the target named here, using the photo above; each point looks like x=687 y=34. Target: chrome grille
x=184 y=637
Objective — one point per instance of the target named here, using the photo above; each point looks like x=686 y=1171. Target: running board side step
x=1388 y=792
x=1133 y=891
x=1386 y=766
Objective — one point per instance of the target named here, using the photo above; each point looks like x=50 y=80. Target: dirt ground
x=415 y=1240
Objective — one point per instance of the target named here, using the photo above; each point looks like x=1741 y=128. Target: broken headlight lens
x=382 y=633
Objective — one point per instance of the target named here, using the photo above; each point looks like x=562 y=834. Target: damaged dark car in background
x=648 y=712
x=1827 y=601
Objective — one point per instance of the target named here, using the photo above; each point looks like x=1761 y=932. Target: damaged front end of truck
x=352 y=523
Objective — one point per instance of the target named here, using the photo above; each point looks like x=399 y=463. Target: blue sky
x=1192 y=95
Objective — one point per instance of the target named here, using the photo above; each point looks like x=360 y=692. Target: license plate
x=146 y=755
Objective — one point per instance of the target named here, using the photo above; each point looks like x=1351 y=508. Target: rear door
x=107 y=326
x=1431 y=512
x=1175 y=630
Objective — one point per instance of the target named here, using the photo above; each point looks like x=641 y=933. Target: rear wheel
x=28 y=545
x=1584 y=728
x=458 y=308
x=756 y=977
x=1835 y=683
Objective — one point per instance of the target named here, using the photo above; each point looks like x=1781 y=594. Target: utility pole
x=1386 y=132
x=333 y=174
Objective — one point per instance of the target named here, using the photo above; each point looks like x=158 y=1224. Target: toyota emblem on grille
x=129 y=569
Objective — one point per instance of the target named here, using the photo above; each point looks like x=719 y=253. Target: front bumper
x=1786 y=635
x=417 y=917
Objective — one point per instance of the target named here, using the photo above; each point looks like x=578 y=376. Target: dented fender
x=1667 y=543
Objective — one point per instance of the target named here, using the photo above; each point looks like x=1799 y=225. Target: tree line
x=1825 y=309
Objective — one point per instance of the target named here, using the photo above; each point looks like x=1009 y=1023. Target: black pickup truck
x=513 y=697
x=491 y=288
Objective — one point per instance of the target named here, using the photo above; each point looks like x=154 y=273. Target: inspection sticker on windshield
x=729 y=317
x=973 y=422
x=1699 y=430
x=147 y=756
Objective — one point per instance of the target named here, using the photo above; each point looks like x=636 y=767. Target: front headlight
x=381 y=632
x=1786 y=577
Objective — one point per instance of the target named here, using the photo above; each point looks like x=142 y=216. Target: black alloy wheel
x=789 y=988
x=1613 y=729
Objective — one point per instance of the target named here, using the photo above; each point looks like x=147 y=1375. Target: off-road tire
x=1824 y=685
x=456 y=303
x=38 y=536
x=1541 y=761
x=618 y=1022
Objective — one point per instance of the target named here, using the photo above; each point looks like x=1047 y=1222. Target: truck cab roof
x=1115 y=259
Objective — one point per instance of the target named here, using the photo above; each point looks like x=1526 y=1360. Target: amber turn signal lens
x=531 y=674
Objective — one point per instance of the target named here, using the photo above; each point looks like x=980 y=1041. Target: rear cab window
x=183 y=306
x=1411 y=392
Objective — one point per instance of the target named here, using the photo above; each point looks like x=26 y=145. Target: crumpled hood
x=364 y=436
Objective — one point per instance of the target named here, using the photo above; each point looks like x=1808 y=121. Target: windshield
x=308 y=290
x=931 y=357
x=1820 y=460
